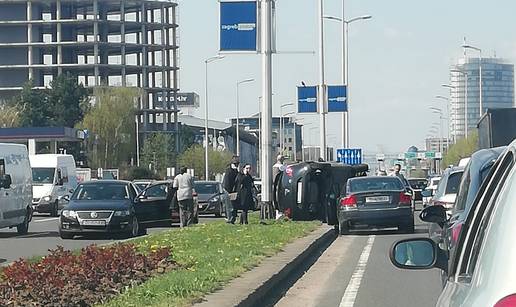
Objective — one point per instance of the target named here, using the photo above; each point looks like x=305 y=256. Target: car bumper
x=42 y=207
x=377 y=217
x=115 y=225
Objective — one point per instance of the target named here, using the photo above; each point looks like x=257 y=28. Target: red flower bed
x=90 y=277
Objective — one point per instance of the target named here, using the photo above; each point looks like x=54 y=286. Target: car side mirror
x=418 y=254
x=434 y=214
x=5 y=181
x=426 y=193
x=66 y=198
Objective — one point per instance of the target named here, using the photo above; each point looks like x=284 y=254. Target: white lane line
x=45 y=220
x=350 y=295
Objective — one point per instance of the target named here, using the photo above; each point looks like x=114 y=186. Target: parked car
x=53 y=177
x=433 y=182
x=15 y=187
x=446 y=191
x=376 y=201
x=475 y=172
x=418 y=185
x=482 y=267
x=211 y=197
x=114 y=206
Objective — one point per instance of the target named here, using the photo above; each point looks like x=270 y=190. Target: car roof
x=207 y=182
x=373 y=177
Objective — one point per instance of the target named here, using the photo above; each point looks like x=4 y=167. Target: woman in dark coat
x=245 y=188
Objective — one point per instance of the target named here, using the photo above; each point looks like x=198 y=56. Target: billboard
x=337 y=98
x=307 y=99
x=190 y=100
x=238 y=26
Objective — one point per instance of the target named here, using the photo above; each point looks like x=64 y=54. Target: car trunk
x=378 y=199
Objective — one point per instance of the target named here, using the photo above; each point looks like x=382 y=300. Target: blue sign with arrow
x=307 y=99
x=337 y=98
x=351 y=156
x=238 y=26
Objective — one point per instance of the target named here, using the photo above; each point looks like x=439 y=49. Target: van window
x=2 y=167
x=43 y=175
x=64 y=174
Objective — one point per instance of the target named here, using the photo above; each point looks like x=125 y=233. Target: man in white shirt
x=184 y=183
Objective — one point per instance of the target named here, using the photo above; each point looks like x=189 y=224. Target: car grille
x=86 y=215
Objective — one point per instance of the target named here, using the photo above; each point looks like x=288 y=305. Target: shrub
x=92 y=276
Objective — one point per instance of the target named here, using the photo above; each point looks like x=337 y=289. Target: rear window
x=452 y=186
x=375 y=184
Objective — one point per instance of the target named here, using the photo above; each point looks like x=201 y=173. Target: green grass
x=211 y=255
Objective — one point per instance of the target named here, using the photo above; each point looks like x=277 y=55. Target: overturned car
x=310 y=190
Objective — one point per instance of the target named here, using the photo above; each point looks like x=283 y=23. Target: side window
x=478 y=222
x=2 y=167
x=132 y=192
x=64 y=173
x=462 y=195
x=157 y=191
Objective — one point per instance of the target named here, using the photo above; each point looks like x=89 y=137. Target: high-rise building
x=497 y=91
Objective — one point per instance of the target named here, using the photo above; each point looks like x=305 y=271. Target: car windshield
x=453 y=183
x=206 y=188
x=417 y=183
x=43 y=175
x=375 y=184
x=101 y=191
x=141 y=185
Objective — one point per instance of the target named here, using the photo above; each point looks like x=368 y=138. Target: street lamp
x=206 y=62
x=466 y=77
x=345 y=66
x=447 y=110
x=238 y=113
x=479 y=74
x=440 y=112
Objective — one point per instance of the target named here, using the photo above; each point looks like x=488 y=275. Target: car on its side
x=116 y=207
x=482 y=267
x=433 y=182
x=377 y=201
x=418 y=185
x=211 y=197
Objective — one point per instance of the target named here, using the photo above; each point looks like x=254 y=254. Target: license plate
x=377 y=199
x=93 y=223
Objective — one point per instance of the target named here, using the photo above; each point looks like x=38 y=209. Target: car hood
x=205 y=197
x=86 y=205
x=40 y=191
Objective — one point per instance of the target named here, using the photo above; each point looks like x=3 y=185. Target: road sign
x=337 y=98
x=410 y=155
x=238 y=25
x=351 y=156
x=380 y=157
x=421 y=155
x=430 y=155
x=438 y=155
x=307 y=99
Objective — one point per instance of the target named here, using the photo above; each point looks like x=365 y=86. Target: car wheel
x=66 y=236
x=343 y=228
x=23 y=228
x=54 y=212
x=135 y=227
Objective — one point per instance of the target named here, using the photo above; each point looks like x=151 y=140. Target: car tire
x=343 y=228
x=54 y=212
x=66 y=236
x=23 y=228
x=135 y=227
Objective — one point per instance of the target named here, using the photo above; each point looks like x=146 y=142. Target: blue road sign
x=351 y=156
x=238 y=26
x=337 y=98
x=307 y=99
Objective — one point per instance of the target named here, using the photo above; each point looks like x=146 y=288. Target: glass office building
x=497 y=91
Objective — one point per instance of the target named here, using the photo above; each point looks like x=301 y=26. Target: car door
x=156 y=203
x=464 y=259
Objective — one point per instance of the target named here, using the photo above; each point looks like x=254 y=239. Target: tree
x=33 y=107
x=110 y=124
x=193 y=157
x=462 y=149
x=158 y=152
x=9 y=116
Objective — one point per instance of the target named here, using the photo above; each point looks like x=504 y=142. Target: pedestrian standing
x=245 y=188
x=184 y=183
x=229 y=183
x=277 y=171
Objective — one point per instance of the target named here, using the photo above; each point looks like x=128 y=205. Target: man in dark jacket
x=229 y=184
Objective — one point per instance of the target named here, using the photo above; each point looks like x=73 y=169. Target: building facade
x=437 y=144
x=101 y=42
x=497 y=91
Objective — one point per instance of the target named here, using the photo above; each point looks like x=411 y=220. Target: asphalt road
x=43 y=235
x=356 y=271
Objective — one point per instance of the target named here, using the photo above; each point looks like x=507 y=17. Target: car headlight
x=122 y=213
x=215 y=199
x=69 y=213
x=47 y=198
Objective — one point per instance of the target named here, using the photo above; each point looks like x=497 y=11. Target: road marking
x=45 y=220
x=348 y=299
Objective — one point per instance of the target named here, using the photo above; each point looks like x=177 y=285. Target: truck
x=497 y=127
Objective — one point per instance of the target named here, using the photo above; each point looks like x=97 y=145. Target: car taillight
x=349 y=201
x=508 y=301
x=405 y=199
x=288 y=212
x=289 y=171
x=456 y=232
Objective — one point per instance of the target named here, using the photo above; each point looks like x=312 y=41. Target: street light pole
x=448 y=112
x=440 y=112
x=206 y=151
x=479 y=76
x=238 y=114
x=322 y=86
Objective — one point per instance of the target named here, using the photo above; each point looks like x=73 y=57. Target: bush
x=86 y=278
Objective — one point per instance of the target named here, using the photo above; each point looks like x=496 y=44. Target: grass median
x=211 y=255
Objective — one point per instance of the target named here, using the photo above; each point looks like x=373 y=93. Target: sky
x=398 y=61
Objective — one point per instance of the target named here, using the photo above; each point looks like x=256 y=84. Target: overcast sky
x=398 y=60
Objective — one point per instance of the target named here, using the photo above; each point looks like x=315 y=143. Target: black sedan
x=376 y=201
x=114 y=206
x=211 y=197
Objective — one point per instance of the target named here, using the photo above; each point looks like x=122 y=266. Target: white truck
x=15 y=187
x=53 y=176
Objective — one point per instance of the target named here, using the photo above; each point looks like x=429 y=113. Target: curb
x=274 y=275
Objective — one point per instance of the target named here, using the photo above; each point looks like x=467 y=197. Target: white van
x=15 y=187
x=53 y=176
